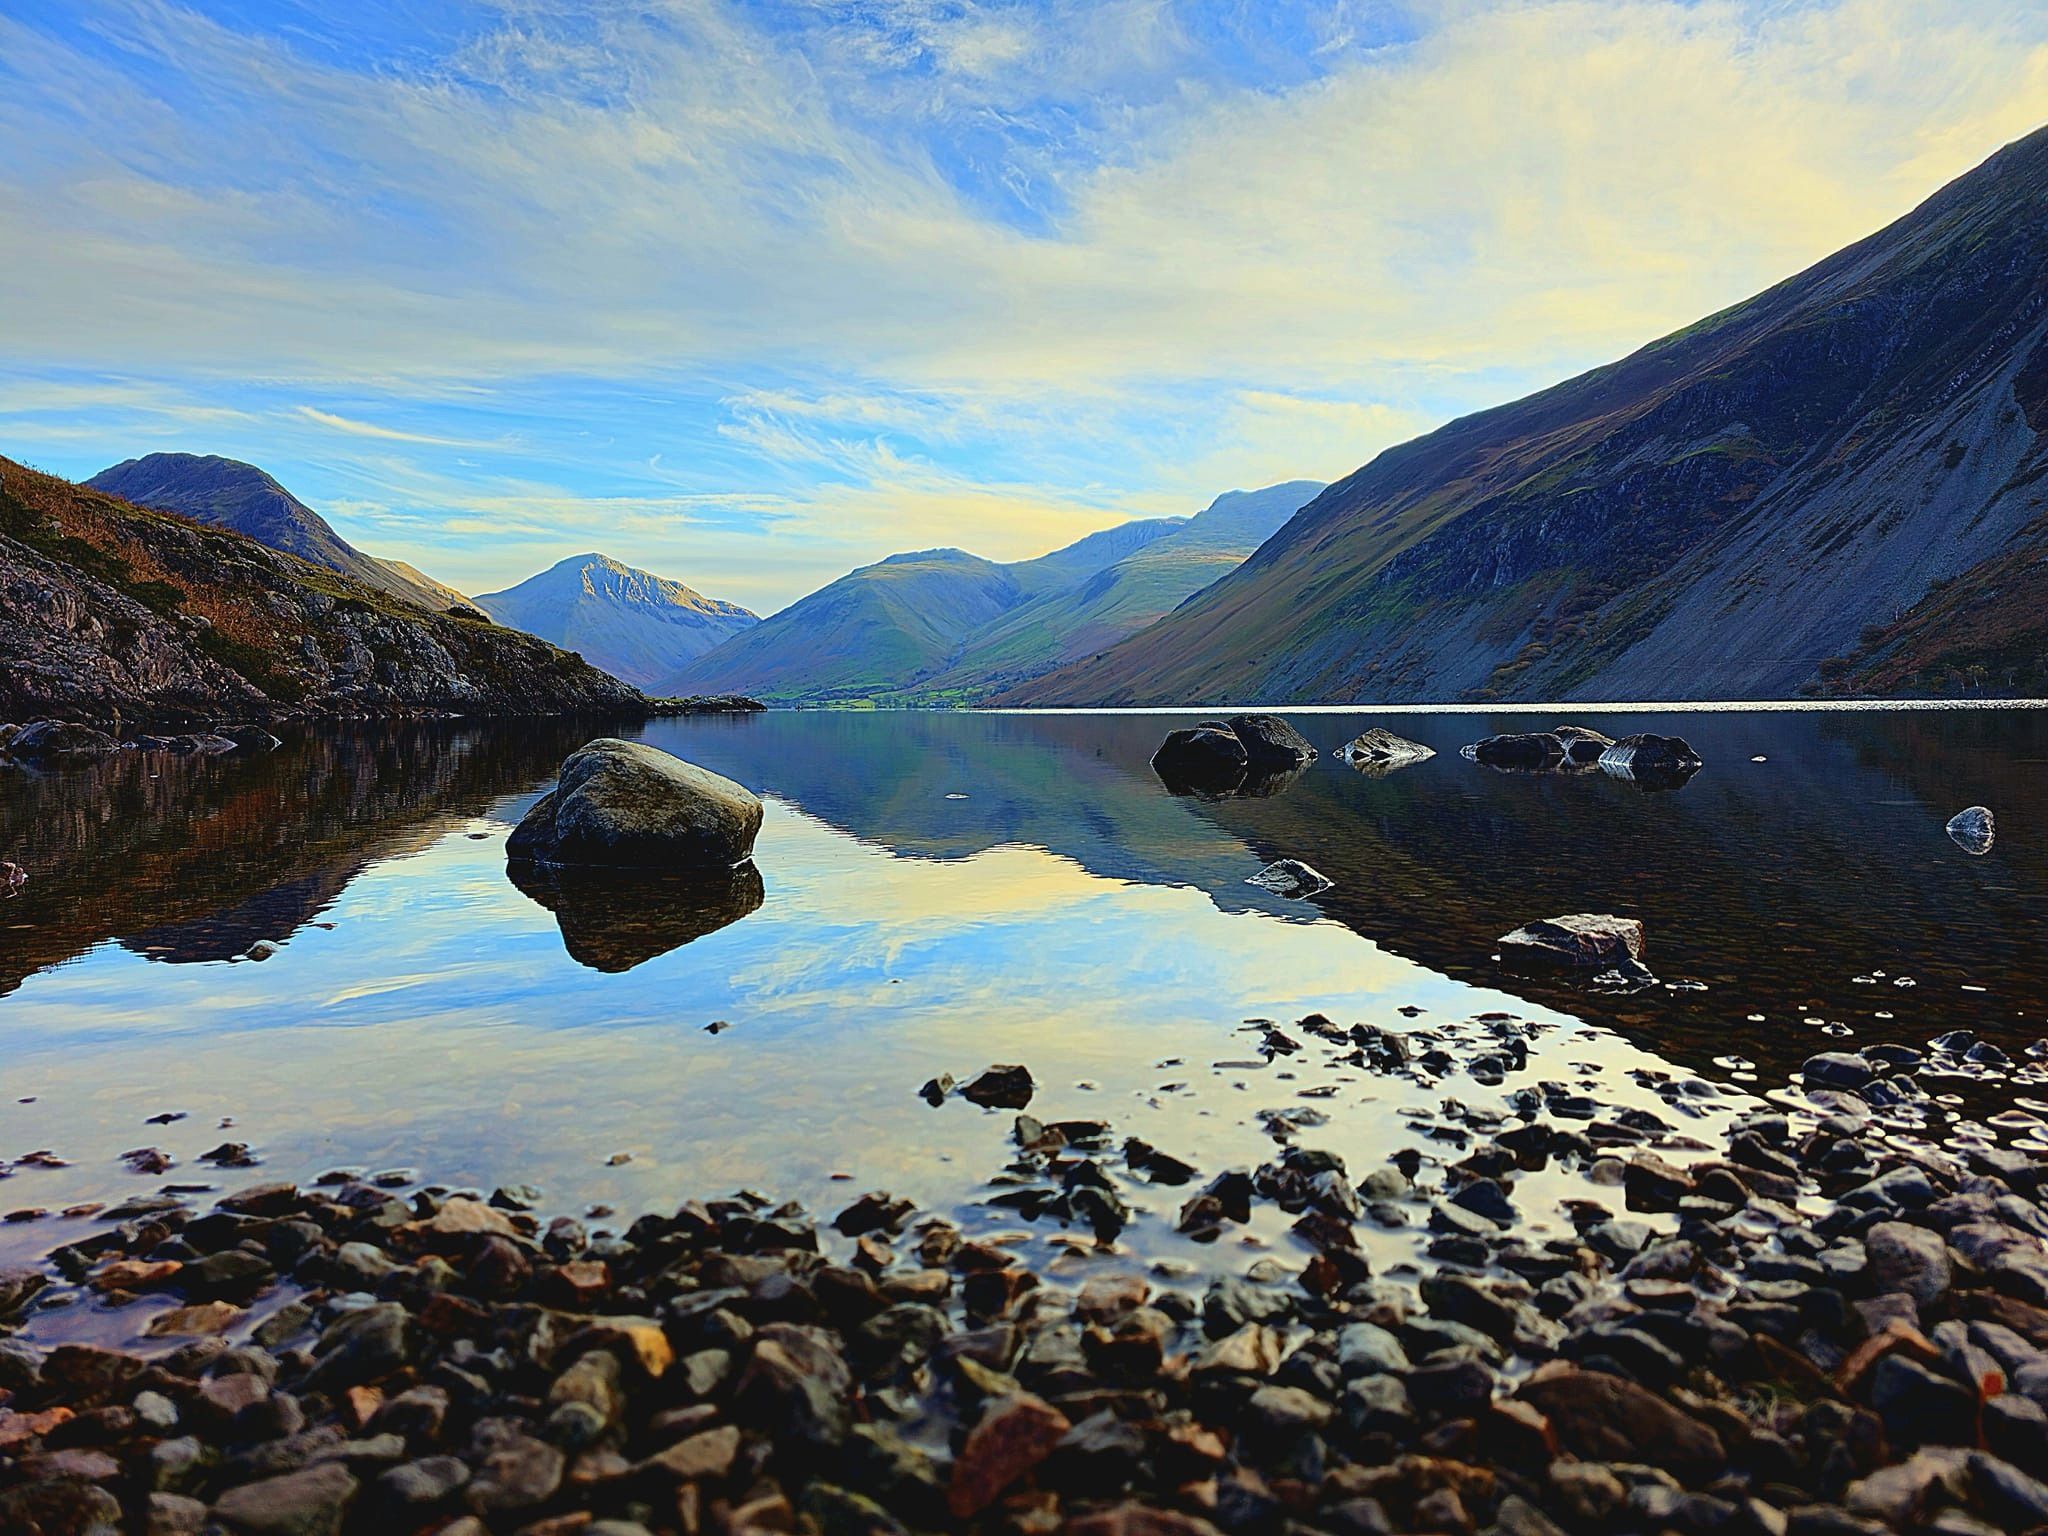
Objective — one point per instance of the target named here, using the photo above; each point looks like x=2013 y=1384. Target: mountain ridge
x=635 y=625
x=228 y=493
x=1720 y=514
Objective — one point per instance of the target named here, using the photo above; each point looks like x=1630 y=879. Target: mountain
x=1081 y=618
x=226 y=493
x=638 y=627
x=884 y=628
x=1806 y=492
x=109 y=609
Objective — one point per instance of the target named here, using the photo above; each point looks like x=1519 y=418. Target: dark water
x=942 y=891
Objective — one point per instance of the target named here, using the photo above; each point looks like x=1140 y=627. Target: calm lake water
x=939 y=892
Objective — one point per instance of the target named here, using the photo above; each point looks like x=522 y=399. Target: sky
x=748 y=292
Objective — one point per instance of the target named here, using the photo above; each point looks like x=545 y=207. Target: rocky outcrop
x=42 y=740
x=626 y=805
x=1523 y=751
x=108 y=611
x=1646 y=756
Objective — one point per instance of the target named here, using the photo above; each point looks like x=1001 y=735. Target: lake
x=940 y=892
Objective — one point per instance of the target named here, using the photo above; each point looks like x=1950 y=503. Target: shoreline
x=1805 y=1326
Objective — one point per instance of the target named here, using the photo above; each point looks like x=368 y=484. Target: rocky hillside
x=108 y=609
x=226 y=493
x=1837 y=484
x=637 y=626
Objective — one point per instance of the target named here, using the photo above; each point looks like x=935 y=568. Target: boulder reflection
x=614 y=919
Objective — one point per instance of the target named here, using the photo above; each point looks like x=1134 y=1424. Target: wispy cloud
x=979 y=270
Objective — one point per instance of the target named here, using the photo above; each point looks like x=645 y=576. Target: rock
x=12 y=878
x=60 y=1506
x=359 y=1347
x=1380 y=752
x=312 y=1502
x=1524 y=751
x=695 y=1457
x=1203 y=759
x=624 y=804
x=250 y=738
x=1911 y=1259
x=519 y=1473
x=1839 y=1069
x=57 y=740
x=1270 y=743
x=1581 y=941
x=1650 y=758
x=1582 y=745
x=1599 y=1417
x=796 y=1386
x=1013 y=1435
x=1291 y=878
x=1973 y=830
x=1920 y=1407
x=1001 y=1087
x=1137 y=1520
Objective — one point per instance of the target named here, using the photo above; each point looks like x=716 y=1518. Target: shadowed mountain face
x=1722 y=515
x=637 y=626
x=946 y=626
x=226 y=493
x=111 y=610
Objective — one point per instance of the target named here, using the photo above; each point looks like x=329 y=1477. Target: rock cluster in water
x=1244 y=755
x=1380 y=751
x=1806 y=1329
x=1655 y=762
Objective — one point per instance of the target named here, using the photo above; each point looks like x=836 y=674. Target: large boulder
x=1203 y=759
x=1522 y=750
x=1645 y=756
x=42 y=739
x=1270 y=743
x=1380 y=751
x=626 y=805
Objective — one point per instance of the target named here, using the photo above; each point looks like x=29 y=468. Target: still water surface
x=939 y=892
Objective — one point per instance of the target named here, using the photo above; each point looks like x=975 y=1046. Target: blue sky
x=748 y=293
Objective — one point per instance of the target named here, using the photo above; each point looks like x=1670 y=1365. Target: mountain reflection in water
x=1804 y=878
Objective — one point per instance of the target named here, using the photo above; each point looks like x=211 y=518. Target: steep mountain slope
x=1715 y=516
x=883 y=629
x=107 y=609
x=1084 y=617
x=226 y=493
x=637 y=626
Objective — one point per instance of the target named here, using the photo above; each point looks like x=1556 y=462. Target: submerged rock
x=1581 y=941
x=1380 y=751
x=1973 y=830
x=1521 y=750
x=1203 y=759
x=1291 y=878
x=625 y=804
x=1271 y=743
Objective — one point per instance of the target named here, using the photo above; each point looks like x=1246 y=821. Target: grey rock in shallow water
x=1581 y=744
x=1524 y=750
x=624 y=804
x=1645 y=756
x=1973 y=830
x=41 y=739
x=1379 y=751
x=1291 y=878
x=1583 y=940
